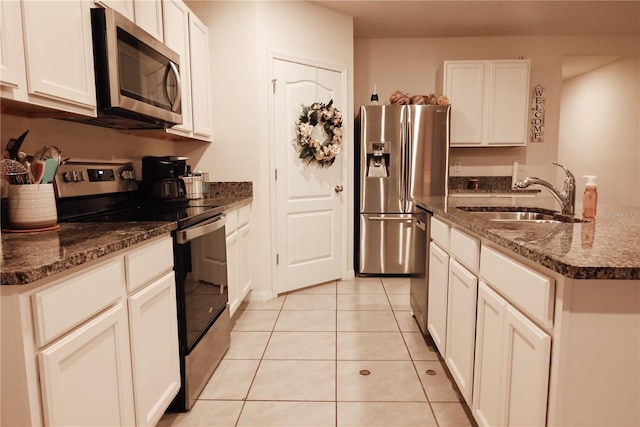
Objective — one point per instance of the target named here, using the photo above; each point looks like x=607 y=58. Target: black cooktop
x=186 y=213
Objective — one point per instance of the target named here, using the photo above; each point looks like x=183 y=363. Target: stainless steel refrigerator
x=403 y=152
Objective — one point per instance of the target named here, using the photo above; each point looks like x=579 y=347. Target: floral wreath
x=319 y=133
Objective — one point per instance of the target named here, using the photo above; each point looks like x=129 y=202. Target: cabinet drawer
x=465 y=249
x=244 y=214
x=149 y=262
x=231 y=224
x=532 y=292
x=57 y=310
x=440 y=233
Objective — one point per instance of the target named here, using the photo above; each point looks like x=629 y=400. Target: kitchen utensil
x=14 y=171
x=50 y=152
x=13 y=146
x=37 y=171
x=50 y=168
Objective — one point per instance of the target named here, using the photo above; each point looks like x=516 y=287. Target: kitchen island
x=538 y=322
x=607 y=248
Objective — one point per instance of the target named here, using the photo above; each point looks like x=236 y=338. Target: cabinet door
x=488 y=381
x=148 y=14
x=176 y=37
x=526 y=359
x=464 y=85
x=86 y=376
x=60 y=62
x=123 y=7
x=153 y=323
x=200 y=78
x=244 y=260
x=12 y=74
x=461 y=326
x=507 y=109
x=437 y=306
x=233 y=268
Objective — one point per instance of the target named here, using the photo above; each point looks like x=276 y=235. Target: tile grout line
x=255 y=374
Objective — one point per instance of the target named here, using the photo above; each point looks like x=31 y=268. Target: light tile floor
x=344 y=353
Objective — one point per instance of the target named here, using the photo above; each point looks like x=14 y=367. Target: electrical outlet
x=457 y=166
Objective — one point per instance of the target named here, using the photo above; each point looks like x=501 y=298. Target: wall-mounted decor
x=537 y=114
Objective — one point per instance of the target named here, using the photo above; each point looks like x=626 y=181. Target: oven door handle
x=184 y=236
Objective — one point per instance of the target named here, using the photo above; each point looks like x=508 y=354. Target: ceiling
x=463 y=18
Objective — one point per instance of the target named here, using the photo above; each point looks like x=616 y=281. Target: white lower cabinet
x=94 y=347
x=86 y=376
x=461 y=326
x=238 y=231
x=511 y=367
x=438 y=294
x=154 y=353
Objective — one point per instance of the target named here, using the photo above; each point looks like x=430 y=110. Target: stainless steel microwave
x=137 y=77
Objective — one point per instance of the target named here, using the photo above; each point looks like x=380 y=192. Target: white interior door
x=309 y=205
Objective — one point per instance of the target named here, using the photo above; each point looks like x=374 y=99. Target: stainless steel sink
x=517 y=216
x=528 y=216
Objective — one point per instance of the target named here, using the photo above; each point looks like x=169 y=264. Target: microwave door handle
x=176 y=101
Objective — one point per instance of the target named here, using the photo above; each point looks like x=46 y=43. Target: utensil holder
x=32 y=206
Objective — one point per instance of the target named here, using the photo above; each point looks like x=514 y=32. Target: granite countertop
x=606 y=248
x=31 y=256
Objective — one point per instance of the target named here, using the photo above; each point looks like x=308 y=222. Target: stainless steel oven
x=204 y=322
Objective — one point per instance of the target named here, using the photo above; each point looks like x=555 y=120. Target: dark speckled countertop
x=27 y=257
x=607 y=248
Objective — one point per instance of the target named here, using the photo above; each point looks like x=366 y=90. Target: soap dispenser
x=590 y=197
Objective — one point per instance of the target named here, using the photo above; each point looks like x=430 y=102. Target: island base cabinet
x=86 y=376
x=461 y=325
x=512 y=365
x=154 y=353
x=437 y=304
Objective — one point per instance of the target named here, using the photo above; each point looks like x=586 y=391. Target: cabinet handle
x=338 y=188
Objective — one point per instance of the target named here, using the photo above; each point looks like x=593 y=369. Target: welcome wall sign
x=537 y=115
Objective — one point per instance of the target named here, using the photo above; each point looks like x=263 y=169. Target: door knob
x=338 y=188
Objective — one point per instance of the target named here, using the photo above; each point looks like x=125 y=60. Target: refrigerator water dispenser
x=377 y=160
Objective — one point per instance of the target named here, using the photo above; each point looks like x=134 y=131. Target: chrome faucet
x=566 y=197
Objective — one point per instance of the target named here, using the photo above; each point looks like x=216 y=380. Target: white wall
x=242 y=36
x=81 y=141
x=599 y=131
x=415 y=66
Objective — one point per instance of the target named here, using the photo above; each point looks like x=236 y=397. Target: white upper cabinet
x=188 y=36
x=12 y=74
x=53 y=69
x=123 y=7
x=148 y=16
x=200 y=78
x=489 y=102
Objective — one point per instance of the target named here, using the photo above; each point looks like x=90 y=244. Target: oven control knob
x=128 y=174
x=73 y=176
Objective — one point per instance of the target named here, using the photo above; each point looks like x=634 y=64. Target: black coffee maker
x=162 y=178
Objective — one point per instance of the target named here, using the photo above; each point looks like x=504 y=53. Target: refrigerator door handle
x=387 y=218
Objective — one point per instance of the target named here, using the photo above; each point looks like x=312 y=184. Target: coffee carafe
x=162 y=178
